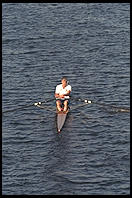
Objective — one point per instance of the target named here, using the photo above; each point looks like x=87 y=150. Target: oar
x=38 y=104
x=118 y=109
x=28 y=105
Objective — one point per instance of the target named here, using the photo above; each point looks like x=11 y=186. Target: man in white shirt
x=62 y=93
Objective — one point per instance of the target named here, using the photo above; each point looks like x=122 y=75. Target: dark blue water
x=90 y=44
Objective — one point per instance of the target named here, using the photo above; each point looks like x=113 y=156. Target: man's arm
x=63 y=95
x=57 y=95
x=68 y=93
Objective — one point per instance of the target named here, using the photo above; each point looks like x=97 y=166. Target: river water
x=89 y=43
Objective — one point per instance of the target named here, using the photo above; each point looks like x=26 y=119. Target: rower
x=62 y=95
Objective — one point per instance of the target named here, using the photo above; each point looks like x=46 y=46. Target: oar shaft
x=28 y=105
x=119 y=109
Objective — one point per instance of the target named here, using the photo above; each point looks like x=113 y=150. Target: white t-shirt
x=60 y=90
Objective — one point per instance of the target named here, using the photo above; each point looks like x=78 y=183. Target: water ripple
x=40 y=44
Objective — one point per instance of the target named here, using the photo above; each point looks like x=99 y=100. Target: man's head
x=64 y=81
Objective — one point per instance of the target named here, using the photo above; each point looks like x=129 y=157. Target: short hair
x=64 y=78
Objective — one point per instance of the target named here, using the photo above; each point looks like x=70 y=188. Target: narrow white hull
x=61 y=117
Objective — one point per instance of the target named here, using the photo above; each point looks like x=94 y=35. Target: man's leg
x=58 y=104
x=65 y=105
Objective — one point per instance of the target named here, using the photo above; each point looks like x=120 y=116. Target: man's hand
x=59 y=96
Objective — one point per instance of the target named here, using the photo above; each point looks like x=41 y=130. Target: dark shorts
x=62 y=100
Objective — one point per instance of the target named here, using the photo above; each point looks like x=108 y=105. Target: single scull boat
x=61 y=117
